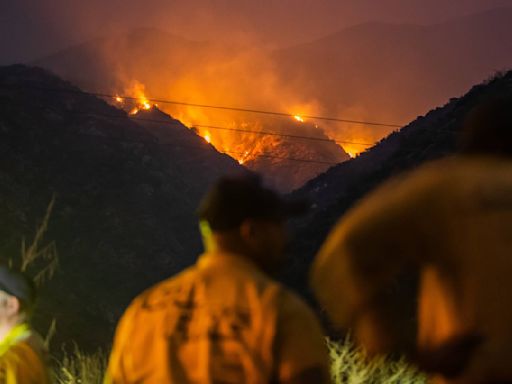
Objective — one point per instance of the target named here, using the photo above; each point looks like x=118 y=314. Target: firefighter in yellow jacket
x=450 y=224
x=23 y=356
x=225 y=320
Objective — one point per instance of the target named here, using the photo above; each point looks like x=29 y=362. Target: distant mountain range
x=125 y=197
x=375 y=71
x=170 y=66
x=394 y=72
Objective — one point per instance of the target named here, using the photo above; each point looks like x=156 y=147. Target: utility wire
x=263 y=133
x=267 y=133
x=175 y=145
x=237 y=109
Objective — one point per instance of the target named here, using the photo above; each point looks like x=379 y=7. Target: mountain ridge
x=429 y=137
x=124 y=213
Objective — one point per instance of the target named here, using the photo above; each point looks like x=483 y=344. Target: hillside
x=427 y=138
x=125 y=195
x=377 y=72
x=161 y=65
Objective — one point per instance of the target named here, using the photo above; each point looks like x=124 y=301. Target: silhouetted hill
x=126 y=193
x=375 y=71
x=427 y=138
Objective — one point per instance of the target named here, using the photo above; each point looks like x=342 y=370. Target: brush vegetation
x=349 y=365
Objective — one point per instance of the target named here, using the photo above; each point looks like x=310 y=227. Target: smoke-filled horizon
x=30 y=30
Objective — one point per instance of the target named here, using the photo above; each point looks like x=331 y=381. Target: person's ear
x=247 y=230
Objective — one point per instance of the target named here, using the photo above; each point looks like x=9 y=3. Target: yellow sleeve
x=299 y=341
x=22 y=365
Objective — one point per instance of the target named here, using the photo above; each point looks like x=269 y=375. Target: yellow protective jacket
x=450 y=222
x=22 y=358
x=220 y=321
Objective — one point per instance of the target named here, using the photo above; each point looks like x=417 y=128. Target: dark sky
x=32 y=28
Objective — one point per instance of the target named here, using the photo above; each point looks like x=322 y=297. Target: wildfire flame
x=145 y=104
x=352 y=154
x=243 y=147
x=244 y=158
x=142 y=102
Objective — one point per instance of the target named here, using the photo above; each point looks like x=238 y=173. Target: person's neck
x=6 y=326
x=239 y=251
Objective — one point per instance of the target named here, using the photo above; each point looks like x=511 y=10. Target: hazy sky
x=32 y=28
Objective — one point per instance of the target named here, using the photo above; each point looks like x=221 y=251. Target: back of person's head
x=231 y=200
x=240 y=215
x=17 y=284
x=488 y=128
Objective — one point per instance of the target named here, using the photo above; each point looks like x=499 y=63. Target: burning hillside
x=280 y=147
x=150 y=65
x=341 y=75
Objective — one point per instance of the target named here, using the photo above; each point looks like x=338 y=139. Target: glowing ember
x=351 y=153
x=298 y=118
x=137 y=89
x=244 y=158
x=145 y=104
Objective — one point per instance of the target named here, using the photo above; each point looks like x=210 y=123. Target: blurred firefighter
x=225 y=320
x=23 y=356
x=450 y=224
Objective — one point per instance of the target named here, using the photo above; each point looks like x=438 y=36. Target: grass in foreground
x=78 y=368
x=348 y=366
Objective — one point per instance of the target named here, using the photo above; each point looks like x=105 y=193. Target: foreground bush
x=349 y=366
x=75 y=367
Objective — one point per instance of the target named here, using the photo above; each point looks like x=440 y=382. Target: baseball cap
x=18 y=285
x=231 y=200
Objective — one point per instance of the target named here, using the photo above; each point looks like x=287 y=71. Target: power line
x=237 y=109
x=267 y=133
x=174 y=145
x=263 y=133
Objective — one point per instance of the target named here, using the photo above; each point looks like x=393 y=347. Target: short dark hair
x=231 y=200
x=488 y=127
